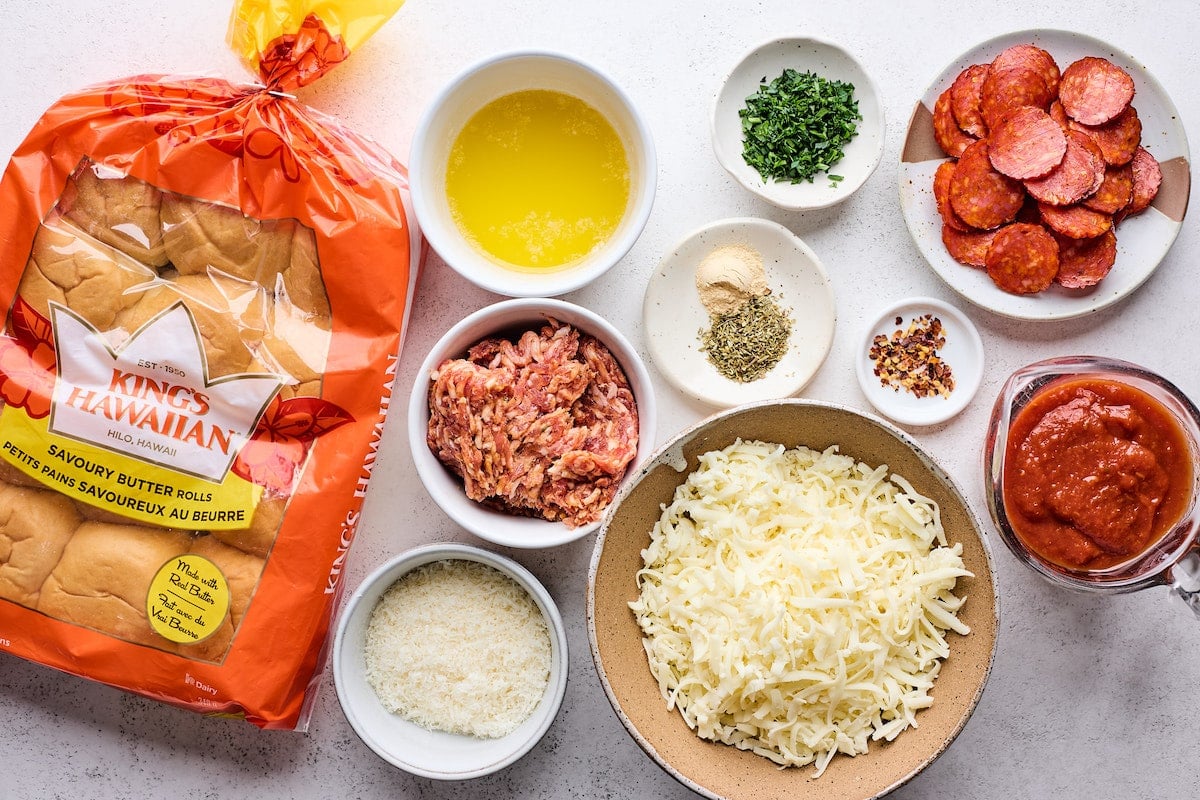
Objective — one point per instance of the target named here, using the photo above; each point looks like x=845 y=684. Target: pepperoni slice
x=1076 y=222
x=1079 y=175
x=941 y=194
x=1085 y=262
x=967 y=247
x=1022 y=259
x=1058 y=115
x=1119 y=139
x=949 y=136
x=1006 y=89
x=1027 y=144
x=1095 y=90
x=1115 y=191
x=1147 y=177
x=981 y=196
x=965 y=96
x=1032 y=57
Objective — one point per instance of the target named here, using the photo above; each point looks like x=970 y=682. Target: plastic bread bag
x=206 y=288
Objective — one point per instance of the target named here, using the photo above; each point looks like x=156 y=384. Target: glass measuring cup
x=1170 y=558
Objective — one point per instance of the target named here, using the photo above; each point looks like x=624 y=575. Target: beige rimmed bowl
x=720 y=771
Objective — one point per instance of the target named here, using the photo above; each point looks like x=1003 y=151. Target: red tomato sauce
x=1095 y=473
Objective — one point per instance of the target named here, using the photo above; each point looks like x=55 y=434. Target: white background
x=1090 y=697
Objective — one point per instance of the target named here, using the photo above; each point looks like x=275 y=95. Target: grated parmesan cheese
x=795 y=603
x=458 y=646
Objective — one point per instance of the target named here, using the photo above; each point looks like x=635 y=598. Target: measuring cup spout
x=1184 y=580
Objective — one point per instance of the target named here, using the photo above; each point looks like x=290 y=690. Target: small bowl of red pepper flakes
x=920 y=362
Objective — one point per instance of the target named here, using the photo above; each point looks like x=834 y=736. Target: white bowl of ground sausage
x=412 y=747
x=506 y=318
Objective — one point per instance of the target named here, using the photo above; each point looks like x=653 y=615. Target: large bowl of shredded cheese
x=792 y=599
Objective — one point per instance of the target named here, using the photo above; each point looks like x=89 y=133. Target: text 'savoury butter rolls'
x=206 y=287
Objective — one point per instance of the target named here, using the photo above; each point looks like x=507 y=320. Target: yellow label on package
x=188 y=599
x=121 y=484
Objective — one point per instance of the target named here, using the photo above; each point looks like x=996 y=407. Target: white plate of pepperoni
x=1113 y=201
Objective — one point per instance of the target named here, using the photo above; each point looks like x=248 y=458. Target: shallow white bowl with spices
x=908 y=395
x=674 y=317
x=411 y=747
x=508 y=319
x=762 y=65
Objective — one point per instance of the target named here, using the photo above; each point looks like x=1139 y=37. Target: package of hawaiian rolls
x=206 y=287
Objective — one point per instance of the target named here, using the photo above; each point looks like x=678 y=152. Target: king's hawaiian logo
x=151 y=397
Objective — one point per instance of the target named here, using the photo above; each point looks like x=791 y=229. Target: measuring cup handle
x=1184 y=580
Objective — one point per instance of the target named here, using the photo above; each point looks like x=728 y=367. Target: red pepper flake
x=909 y=358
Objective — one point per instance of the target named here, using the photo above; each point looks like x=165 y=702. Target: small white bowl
x=963 y=353
x=415 y=749
x=767 y=62
x=505 y=318
x=673 y=315
x=479 y=85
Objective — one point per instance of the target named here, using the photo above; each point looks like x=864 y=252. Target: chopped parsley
x=796 y=126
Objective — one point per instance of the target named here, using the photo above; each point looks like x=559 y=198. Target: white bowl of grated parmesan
x=450 y=661
x=792 y=584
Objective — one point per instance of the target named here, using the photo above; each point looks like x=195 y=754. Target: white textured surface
x=1090 y=697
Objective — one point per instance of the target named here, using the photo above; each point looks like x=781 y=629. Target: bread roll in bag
x=206 y=287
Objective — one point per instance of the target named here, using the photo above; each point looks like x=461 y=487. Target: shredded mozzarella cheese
x=795 y=603
x=458 y=646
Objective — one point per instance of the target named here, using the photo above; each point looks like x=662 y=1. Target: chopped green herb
x=796 y=126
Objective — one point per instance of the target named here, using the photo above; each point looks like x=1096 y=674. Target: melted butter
x=537 y=179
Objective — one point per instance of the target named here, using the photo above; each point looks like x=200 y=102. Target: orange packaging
x=206 y=288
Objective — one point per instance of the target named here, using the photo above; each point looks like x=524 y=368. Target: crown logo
x=151 y=398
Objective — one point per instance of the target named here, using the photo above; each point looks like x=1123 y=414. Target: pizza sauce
x=1096 y=472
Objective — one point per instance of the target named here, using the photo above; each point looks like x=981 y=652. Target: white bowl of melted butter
x=532 y=173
